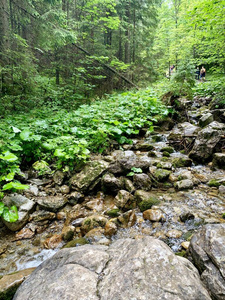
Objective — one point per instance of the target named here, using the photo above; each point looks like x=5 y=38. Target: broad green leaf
x=14 y=185
x=25 y=134
x=59 y=153
x=8 y=156
x=2 y=205
x=10 y=214
x=15 y=129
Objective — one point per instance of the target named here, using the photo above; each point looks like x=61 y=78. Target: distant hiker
x=171 y=69
x=202 y=73
x=197 y=72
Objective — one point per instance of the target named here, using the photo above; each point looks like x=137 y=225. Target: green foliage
x=8 y=214
x=183 y=80
x=134 y=171
x=8 y=169
x=215 y=88
x=67 y=138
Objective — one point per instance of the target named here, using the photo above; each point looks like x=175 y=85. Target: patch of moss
x=181 y=253
x=168 y=149
x=8 y=295
x=213 y=183
x=181 y=162
x=223 y=215
x=113 y=213
x=147 y=204
x=76 y=242
x=166 y=154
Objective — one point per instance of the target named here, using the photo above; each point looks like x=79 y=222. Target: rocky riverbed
x=167 y=185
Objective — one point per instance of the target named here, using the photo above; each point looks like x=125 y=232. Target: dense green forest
x=65 y=52
x=60 y=60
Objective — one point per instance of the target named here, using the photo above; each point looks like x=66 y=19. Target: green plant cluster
x=214 y=88
x=67 y=138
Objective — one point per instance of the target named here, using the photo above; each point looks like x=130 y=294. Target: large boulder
x=129 y=269
x=89 y=176
x=183 y=135
x=123 y=161
x=208 y=252
x=207 y=142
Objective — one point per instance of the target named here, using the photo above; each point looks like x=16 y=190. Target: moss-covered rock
x=181 y=162
x=113 y=213
x=168 y=149
x=76 y=242
x=161 y=174
x=148 y=203
x=214 y=183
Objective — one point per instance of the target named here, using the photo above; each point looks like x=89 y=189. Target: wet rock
x=124 y=161
x=113 y=213
x=127 y=269
x=161 y=174
x=10 y=283
x=24 y=205
x=89 y=176
x=187 y=215
x=127 y=220
x=111 y=184
x=145 y=200
x=208 y=253
x=42 y=215
x=207 y=142
x=219 y=160
x=185 y=245
x=59 y=177
x=168 y=149
x=206 y=119
x=95 y=205
x=184 y=184
x=124 y=200
x=75 y=197
x=24 y=233
x=128 y=185
x=164 y=165
x=143 y=146
x=53 y=241
x=110 y=228
x=154 y=215
x=182 y=135
x=142 y=181
x=52 y=203
x=76 y=242
x=68 y=232
x=75 y=213
x=65 y=189
x=174 y=233
x=95 y=235
x=181 y=162
x=92 y=222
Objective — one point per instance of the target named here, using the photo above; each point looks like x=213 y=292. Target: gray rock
x=205 y=120
x=123 y=161
x=219 y=160
x=51 y=203
x=144 y=269
x=124 y=199
x=58 y=177
x=184 y=184
x=111 y=184
x=24 y=206
x=208 y=253
x=89 y=176
x=142 y=181
x=207 y=141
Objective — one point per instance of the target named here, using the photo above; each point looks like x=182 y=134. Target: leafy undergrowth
x=67 y=138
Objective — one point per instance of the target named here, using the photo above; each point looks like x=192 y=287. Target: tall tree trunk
x=4 y=40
